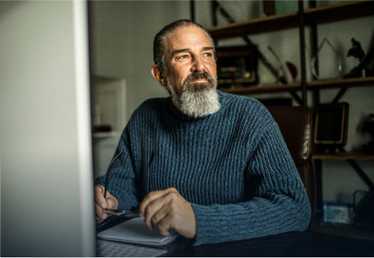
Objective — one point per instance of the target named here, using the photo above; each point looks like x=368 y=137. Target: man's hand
x=167 y=210
x=103 y=203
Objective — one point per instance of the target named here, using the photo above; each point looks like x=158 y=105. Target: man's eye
x=208 y=54
x=181 y=57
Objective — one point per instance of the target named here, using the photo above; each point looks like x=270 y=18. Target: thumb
x=99 y=196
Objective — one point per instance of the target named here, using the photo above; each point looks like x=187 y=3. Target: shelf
x=102 y=78
x=339 y=12
x=322 y=14
x=254 y=26
x=344 y=156
x=341 y=83
x=343 y=230
x=262 y=88
x=314 y=85
x=104 y=135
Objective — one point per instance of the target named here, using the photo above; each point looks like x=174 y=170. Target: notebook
x=115 y=249
x=134 y=231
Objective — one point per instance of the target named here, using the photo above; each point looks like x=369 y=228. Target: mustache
x=199 y=75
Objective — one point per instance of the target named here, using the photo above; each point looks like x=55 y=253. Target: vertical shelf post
x=302 y=51
x=192 y=10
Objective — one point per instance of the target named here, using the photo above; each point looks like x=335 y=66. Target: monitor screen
x=47 y=206
x=331 y=124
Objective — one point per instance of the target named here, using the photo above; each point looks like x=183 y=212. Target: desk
x=287 y=244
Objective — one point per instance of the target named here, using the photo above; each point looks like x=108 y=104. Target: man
x=209 y=165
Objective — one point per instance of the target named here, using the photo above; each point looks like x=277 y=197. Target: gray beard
x=196 y=103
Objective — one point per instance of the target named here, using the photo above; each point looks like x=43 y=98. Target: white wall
x=134 y=25
x=123 y=34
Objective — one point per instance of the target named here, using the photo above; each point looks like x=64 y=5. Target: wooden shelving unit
x=319 y=15
x=301 y=19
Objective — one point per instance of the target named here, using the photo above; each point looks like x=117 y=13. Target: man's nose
x=197 y=65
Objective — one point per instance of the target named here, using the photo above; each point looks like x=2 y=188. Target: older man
x=209 y=165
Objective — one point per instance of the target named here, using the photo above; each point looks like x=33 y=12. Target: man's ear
x=156 y=73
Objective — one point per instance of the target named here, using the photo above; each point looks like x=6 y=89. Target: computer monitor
x=47 y=206
x=331 y=125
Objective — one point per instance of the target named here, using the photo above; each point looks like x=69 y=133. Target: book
x=134 y=231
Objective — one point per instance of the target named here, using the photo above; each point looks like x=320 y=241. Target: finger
x=152 y=196
x=165 y=225
x=155 y=206
x=160 y=215
x=100 y=213
x=99 y=196
x=108 y=202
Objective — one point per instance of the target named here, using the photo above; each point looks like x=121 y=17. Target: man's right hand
x=103 y=203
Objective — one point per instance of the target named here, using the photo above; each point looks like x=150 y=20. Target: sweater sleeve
x=121 y=175
x=278 y=202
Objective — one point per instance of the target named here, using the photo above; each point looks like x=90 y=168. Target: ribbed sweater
x=233 y=166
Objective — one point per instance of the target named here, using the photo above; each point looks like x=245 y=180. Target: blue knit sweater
x=233 y=166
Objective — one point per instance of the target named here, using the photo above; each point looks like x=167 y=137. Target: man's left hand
x=167 y=210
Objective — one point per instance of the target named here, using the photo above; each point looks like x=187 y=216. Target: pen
x=105 y=185
x=118 y=212
x=106 y=182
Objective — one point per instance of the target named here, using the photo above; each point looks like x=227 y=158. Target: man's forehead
x=188 y=35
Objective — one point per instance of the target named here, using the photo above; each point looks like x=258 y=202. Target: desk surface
x=287 y=244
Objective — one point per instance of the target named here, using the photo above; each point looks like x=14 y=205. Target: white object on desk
x=116 y=249
x=134 y=231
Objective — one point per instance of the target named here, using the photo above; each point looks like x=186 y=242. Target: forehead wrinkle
x=176 y=51
x=170 y=35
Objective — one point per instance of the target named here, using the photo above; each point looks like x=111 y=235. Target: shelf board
x=262 y=88
x=338 y=12
x=323 y=14
x=341 y=83
x=254 y=26
x=343 y=156
x=343 y=230
x=103 y=135
x=101 y=78
x=313 y=85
